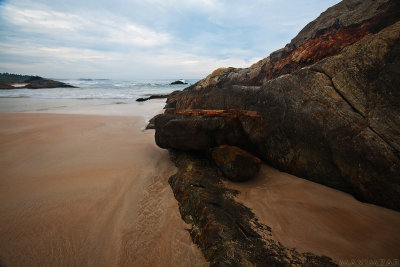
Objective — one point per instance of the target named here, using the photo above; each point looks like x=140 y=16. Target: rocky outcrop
x=326 y=108
x=339 y=26
x=178 y=82
x=227 y=232
x=335 y=122
x=7 y=80
x=39 y=83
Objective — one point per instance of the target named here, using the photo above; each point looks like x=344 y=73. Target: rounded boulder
x=235 y=163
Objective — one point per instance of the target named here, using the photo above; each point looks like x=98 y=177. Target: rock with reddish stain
x=334 y=122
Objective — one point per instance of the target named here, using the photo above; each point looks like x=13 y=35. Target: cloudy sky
x=145 y=39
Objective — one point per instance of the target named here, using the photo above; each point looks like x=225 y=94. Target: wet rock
x=142 y=99
x=227 y=232
x=236 y=164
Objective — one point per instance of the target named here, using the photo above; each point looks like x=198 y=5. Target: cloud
x=56 y=53
x=106 y=28
x=145 y=39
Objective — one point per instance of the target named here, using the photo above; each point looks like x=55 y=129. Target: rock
x=227 y=232
x=339 y=26
x=151 y=97
x=34 y=82
x=200 y=130
x=39 y=83
x=328 y=115
x=236 y=164
x=6 y=86
x=178 y=82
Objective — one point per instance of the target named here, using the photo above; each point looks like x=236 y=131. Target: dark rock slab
x=200 y=130
x=227 y=232
x=236 y=164
x=142 y=99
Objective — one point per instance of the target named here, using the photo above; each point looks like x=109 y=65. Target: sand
x=90 y=190
x=314 y=218
x=85 y=190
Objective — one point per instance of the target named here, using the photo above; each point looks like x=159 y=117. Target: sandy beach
x=91 y=190
x=85 y=190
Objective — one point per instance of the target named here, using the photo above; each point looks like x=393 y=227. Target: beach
x=79 y=187
x=87 y=190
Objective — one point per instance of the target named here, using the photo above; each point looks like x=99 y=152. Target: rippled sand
x=79 y=190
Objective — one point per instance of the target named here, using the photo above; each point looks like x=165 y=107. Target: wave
x=98 y=89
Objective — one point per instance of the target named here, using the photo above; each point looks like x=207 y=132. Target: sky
x=139 y=39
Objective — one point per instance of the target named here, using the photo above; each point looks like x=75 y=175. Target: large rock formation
x=326 y=108
x=335 y=121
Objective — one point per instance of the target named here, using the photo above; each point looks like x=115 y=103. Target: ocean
x=93 y=97
x=100 y=89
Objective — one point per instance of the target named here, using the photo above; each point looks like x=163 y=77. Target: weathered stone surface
x=335 y=122
x=227 y=232
x=204 y=129
x=236 y=164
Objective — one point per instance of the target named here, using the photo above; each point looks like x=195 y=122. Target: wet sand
x=85 y=190
x=314 y=218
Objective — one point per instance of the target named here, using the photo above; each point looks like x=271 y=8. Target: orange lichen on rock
x=213 y=112
x=330 y=42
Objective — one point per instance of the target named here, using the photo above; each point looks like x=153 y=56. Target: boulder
x=236 y=164
x=200 y=130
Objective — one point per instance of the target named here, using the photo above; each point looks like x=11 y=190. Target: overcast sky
x=153 y=39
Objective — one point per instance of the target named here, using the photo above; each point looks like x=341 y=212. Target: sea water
x=92 y=96
x=100 y=89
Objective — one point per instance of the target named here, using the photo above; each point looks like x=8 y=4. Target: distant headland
x=18 y=81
